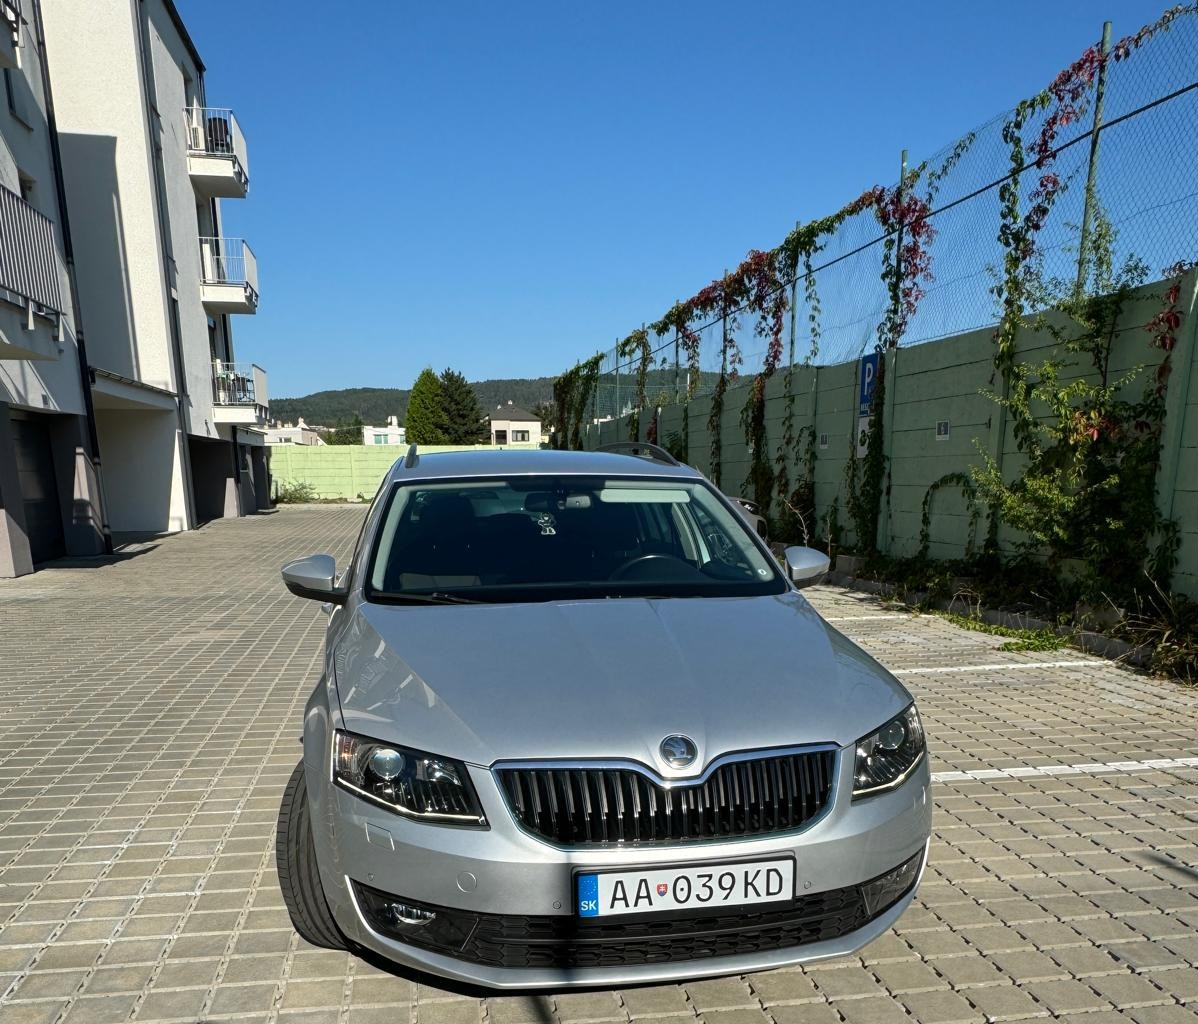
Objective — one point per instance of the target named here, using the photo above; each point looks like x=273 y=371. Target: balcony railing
x=11 y=28
x=229 y=261
x=239 y=384
x=214 y=131
x=28 y=254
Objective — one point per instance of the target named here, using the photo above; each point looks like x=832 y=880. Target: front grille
x=562 y=941
x=582 y=806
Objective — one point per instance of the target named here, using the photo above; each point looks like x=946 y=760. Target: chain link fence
x=1137 y=142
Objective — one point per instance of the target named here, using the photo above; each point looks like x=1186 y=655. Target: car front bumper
x=501 y=874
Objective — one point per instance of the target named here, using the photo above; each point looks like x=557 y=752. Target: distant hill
x=374 y=405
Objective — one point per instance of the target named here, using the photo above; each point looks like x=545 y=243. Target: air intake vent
x=583 y=806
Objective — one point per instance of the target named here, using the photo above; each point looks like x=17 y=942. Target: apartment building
x=49 y=487
x=293 y=433
x=147 y=160
x=392 y=433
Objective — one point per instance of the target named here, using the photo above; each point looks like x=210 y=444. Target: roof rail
x=411 y=458
x=640 y=448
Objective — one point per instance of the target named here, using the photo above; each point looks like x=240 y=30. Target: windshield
x=554 y=538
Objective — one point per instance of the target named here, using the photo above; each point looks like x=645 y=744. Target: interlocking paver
x=1006 y=1002
x=940 y=1007
x=813 y=1013
x=148 y=714
x=868 y=1010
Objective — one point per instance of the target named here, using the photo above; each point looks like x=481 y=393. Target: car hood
x=607 y=678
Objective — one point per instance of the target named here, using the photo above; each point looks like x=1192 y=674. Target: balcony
x=229 y=272
x=31 y=298
x=239 y=394
x=216 y=153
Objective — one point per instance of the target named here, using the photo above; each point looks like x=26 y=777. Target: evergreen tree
x=347 y=433
x=464 y=420
x=545 y=412
x=425 y=419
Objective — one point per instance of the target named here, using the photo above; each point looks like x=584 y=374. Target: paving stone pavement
x=149 y=716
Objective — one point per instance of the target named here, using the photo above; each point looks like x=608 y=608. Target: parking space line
x=1111 y=767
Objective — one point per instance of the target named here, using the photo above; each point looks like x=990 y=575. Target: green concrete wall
x=350 y=472
x=948 y=380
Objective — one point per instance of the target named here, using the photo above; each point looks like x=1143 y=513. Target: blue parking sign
x=868 y=377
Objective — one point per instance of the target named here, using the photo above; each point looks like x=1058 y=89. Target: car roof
x=531 y=462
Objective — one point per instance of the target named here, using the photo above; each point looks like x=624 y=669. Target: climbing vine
x=965 y=482
x=1087 y=489
x=637 y=342
x=573 y=392
x=1088 y=442
x=797 y=520
x=769 y=300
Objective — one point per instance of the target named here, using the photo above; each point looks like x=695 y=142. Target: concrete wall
x=345 y=471
x=948 y=380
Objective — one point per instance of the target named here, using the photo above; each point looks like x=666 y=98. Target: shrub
x=294 y=492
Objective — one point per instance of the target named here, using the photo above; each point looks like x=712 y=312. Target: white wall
x=390 y=435
x=176 y=81
x=96 y=78
x=532 y=426
x=143 y=471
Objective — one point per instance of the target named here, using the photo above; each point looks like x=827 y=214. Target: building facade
x=50 y=503
x=297 y=433
x=513 y=427
x=146 y=162
x=392 y=433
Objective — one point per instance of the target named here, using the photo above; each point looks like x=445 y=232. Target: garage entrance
x=39 y=489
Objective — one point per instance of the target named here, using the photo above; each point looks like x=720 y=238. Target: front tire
x=299 y=876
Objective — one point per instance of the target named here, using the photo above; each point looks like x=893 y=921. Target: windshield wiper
x=434 y=598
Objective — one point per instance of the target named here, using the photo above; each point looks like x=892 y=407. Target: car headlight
x=409 y=782
x=885 y=758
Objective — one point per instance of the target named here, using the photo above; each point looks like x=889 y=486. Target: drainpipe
x=60 y=189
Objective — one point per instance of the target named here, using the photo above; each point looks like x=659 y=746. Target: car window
x=543 y=538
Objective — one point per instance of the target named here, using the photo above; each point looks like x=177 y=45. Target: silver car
x=577 y=727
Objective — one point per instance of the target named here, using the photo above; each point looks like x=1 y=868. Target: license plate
x=606 y=893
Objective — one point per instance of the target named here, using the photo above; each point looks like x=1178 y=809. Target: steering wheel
x=632 y=563
x=721 y=546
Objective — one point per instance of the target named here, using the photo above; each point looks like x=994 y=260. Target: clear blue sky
x=505 y=188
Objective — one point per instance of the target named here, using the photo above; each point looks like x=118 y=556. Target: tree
x=545 y=413
x=350 y=433
x=464 y=421
x=425 y=420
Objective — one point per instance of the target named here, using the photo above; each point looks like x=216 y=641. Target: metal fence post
x=677 y=371
x=886 y=414
x=616 y=360
x=1092 y=174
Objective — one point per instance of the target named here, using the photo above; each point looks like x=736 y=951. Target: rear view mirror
x=314 y=577
x=806 y=565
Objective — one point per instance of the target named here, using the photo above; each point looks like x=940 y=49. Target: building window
x=501 y=437
x=519 y=435
x=18 y=102
x=380 y=438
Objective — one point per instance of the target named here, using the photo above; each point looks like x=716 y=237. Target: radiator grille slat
x=752 y=796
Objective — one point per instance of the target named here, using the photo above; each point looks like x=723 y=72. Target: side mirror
x=314 y=577
x=806 y=565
